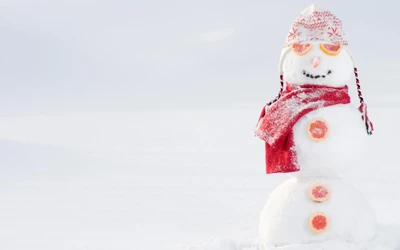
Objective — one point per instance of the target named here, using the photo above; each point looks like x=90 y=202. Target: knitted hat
x=316 y=24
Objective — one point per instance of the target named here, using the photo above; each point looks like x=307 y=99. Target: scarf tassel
x=368 y=124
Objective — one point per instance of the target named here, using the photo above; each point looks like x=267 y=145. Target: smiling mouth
x=316 y=76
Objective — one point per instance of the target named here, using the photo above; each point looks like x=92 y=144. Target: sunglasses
x=303 y=48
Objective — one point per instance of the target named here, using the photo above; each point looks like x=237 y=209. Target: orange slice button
x=318 y=130
x=319 y=222
x=319 y=193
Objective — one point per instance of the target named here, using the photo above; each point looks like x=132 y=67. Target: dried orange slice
x=318 y=130
x=301 y=48
x=319 y=192
x=318 y=222
x=331 y=49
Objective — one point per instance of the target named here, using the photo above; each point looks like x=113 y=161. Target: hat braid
x=358 y=86
x=279 y=94
x=363 y=107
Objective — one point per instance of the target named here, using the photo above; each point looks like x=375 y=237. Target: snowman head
x=315 y=50
x=317 y=62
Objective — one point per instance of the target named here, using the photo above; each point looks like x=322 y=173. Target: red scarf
x=275 y=125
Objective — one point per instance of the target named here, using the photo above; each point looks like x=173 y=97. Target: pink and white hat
x=316 y=24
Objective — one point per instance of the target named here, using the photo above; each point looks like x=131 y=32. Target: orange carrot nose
x=316 y=61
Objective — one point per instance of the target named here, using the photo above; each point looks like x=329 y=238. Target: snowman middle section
x=329 y=141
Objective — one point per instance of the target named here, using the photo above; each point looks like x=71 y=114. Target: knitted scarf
x=275 y=125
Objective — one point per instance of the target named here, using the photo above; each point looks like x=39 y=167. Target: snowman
x=312 y=131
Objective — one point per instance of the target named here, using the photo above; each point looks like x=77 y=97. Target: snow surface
x=166 y=179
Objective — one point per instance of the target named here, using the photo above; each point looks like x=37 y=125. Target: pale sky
x=85 y=55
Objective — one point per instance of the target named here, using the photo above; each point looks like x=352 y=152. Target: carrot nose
x=316 y=61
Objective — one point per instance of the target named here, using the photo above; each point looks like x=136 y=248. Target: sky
x=120 y=56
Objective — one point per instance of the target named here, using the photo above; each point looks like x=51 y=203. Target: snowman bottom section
x=285 y=219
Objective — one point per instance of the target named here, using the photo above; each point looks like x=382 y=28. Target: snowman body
x=285 y=219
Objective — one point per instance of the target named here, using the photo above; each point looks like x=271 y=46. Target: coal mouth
x=316 y=76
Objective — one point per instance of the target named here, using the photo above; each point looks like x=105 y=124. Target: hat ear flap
x=283 y=53
x=363 y=106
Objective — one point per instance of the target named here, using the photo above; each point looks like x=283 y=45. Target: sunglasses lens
x=331 y=49
x=301 y=48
